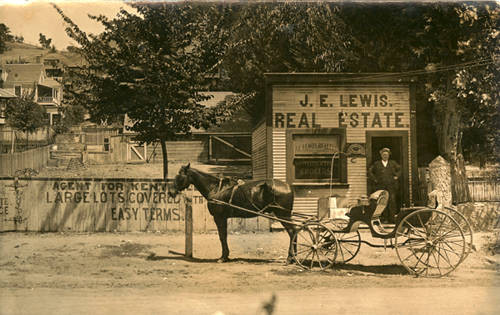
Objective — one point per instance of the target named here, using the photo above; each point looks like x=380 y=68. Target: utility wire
x=465 y=65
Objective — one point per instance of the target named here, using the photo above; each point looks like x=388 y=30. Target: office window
x=312 y=154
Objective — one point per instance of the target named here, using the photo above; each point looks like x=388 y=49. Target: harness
x=272 y=204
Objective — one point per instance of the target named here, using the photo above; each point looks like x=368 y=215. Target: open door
x=397 y=141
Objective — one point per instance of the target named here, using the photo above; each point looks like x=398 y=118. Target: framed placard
x=316 y=169
x=315 y=144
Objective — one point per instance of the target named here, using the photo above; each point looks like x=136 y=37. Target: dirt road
x=469 y=300
x=139 y=273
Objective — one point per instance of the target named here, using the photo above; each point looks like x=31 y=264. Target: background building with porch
x=27 y=79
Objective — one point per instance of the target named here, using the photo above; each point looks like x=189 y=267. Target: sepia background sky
x=30 y=18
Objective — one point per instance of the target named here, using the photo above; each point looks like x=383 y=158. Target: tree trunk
x=165 y=157
x=449 y=139
x=440 y=181
x=460 y=186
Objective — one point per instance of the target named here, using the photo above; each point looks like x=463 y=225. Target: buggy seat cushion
x=381 y=197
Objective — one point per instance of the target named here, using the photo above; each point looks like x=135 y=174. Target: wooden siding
x=259 y=152
x=286 y=100
x=305 y=205
x=356 y=174
x=279 y=154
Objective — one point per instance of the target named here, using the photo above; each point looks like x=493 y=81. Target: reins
x=234 y=188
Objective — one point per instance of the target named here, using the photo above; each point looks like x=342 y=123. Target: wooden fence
x=34 y=159
x=483 y=187
x=104 y=205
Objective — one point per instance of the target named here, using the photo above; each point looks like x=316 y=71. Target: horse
x=259 y=196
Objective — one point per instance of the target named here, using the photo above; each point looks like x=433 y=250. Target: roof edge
x=341 y=78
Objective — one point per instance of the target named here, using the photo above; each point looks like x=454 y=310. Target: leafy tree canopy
x=150 y=66
x=44 y=41
x=283 y=37
x=25 y=115
x=71 y=115
x=5 y=37
x=460 y=46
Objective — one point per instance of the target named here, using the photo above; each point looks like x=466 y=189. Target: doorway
x=397 y=142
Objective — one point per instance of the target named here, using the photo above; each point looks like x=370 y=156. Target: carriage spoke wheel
x=315 y=246
x=348 y=243
x=465 y=226
x=430 y=243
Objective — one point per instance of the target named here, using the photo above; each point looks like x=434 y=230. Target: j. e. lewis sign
x=381 y=107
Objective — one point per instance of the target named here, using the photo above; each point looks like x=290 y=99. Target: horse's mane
x=204 y=173
x=225 y=180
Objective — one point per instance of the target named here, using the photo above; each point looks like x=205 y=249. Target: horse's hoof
x=222 y=260
x=290 y=261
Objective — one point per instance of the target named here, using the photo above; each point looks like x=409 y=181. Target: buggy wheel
x=314 y=245
x=349 y=243
x=465 y=226
x=429 y=243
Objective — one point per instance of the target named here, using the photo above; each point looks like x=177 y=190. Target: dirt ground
x=146 y=273
x=60 y=267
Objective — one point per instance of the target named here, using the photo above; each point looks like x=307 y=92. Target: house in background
x=28 y=78
x=5 y=95
x=231 y=142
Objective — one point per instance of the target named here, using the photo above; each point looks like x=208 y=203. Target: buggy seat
x=379 y=200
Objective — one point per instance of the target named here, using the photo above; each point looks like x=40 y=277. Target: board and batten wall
x=357 y=108
x=103 y=205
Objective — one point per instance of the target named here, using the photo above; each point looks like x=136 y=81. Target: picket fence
x=484 y=187
x=35 y=159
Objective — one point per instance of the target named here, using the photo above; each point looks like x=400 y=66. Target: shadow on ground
x=377 y=269
x=182 y=257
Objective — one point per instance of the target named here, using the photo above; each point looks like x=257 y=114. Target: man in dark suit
x=385 y=175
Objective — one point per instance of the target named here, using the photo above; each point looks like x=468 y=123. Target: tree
x=19 y=39
x=5 y=37
x=71 y=115
x=25 y=115
x=452 y=48
x=294 y=38
x=459 y=44
x=150 y=66
x=44 y=41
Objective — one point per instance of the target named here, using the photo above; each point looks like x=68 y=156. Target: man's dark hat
x=385 y=150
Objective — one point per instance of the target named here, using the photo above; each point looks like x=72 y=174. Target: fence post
x=189 y=223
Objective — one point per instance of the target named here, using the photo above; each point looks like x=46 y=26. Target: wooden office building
x=313 y=119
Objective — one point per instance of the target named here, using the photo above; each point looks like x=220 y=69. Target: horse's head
x=181 y=181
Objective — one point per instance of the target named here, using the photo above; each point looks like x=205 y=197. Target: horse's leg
x=221 y=223
x=290 y=229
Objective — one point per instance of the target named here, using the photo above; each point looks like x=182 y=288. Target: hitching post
x=188 y=202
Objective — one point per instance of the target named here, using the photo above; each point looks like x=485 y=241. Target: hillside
x=34 y=54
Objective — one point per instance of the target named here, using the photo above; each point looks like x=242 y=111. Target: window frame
x=292 y=157
x=20 y=90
